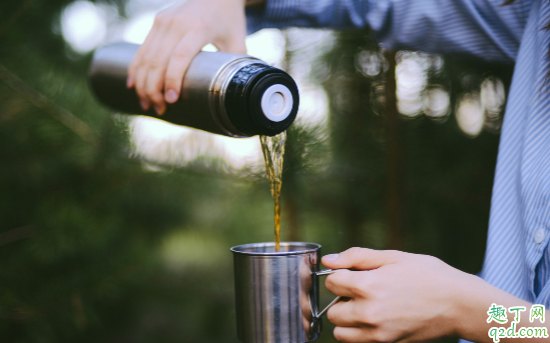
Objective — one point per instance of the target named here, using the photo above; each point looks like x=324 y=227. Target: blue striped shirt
x=517 y=259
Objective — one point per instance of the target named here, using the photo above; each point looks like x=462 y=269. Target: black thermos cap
x=244 y=95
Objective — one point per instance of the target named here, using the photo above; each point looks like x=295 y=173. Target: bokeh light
x=138 y=27
x=493 y=98
x=469 y=114
x=437 y=102
x=84 y=25
x=267 y=45
x=369 y=63
x=411 y=75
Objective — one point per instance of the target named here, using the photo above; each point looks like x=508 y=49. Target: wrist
x=473 y=301
x=470 y=303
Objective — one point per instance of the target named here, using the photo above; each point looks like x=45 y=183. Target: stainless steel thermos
x=228 y=94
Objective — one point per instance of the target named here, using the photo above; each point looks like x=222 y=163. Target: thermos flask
x=227 y=94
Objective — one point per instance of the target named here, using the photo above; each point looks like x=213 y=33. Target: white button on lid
x=539 y=236
x=277 y=103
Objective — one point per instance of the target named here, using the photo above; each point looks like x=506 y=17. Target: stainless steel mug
x=276 y=292
x=228 y=94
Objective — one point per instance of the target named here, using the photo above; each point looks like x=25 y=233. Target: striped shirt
x=517 y=259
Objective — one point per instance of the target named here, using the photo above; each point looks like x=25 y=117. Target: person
x=397 y=296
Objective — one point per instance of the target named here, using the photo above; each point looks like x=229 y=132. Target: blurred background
x=117 y=229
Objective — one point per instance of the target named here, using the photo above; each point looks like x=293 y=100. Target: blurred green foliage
x=95 y=248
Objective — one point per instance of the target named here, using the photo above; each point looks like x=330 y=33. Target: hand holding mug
x=395 y=296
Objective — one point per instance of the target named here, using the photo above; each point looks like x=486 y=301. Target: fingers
x=343 y=313
x=137 y=60
x=156 y=73
x=180 y=59
x=362 y=259
x=148 y=69
x=149 y=82
x=139 y=67
x=150 y=74
x=343 y=283
x=350 y=334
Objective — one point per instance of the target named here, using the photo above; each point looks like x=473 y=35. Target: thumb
x=361 y=259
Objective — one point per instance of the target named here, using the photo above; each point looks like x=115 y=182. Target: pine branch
x=17 y=234
x=60 y=114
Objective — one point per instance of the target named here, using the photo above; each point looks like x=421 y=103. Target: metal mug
x=277 y=292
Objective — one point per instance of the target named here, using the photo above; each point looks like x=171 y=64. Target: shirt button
x=539 y=236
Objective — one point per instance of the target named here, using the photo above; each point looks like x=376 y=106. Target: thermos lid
x=261 y=100
x=277 y=103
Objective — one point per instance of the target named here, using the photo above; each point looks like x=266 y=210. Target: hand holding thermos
x=178 y=34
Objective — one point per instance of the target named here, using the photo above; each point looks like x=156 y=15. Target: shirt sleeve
x=479 y=28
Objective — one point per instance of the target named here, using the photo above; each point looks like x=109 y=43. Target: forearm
x=428 y=25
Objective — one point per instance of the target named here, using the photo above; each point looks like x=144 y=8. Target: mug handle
x=327 y=272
